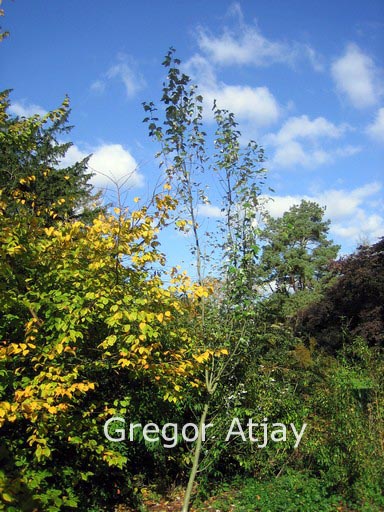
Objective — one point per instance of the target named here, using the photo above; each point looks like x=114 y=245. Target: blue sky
x=304 y=78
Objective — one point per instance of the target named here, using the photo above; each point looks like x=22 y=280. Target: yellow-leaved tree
x=87 y=325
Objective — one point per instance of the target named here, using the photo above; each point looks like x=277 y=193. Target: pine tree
x=297 y=250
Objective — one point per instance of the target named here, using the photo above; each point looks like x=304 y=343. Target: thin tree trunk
x=196 y=459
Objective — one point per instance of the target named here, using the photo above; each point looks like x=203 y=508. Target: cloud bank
x=354 y=213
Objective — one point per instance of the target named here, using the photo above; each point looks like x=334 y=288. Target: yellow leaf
x=200 y=291
x=203 y=357
x=6 y=497
x=49 y=231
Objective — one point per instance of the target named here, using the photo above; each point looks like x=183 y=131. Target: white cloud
x=113 y=161
x=350 y=211
x=303 y=127
x=110 y=163
x=255 y=105
x=347 y=150
x=278 y=205
x=125 y=71
x=132 y=81
x=340 y=203
x=250 y=47
x=98 y=86
x=292 y=153
x=345 y=203
x=247 y=45
x=297 y=142
x=21 y=109
x=201 y=70
x=356 y=76
x=376 y=129
x=209 y=210
x=72 y=156
x=363 y=225
x=313 y=57
x=252 y=104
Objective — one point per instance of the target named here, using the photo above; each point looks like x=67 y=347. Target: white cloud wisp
x=297 y=143
x=246 y=45
x=356 y=76
x=21 y=109
x=376 y=129
x=124 y=70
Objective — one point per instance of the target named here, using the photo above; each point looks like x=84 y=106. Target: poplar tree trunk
x=196 y=459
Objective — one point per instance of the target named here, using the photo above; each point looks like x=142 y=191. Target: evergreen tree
x=30 y=170
x=297 y=250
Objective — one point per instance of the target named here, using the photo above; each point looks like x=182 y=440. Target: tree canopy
x=354 y=302
x=297 y=250
x=31 y=169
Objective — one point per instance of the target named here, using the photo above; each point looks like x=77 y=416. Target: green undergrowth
x=292 y=492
